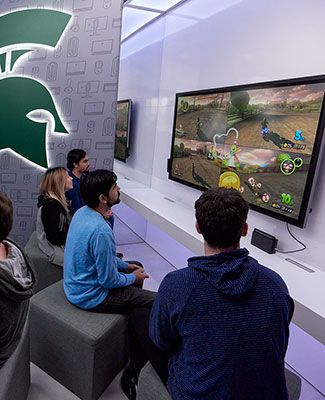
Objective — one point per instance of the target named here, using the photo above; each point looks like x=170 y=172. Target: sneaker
x=128 y=384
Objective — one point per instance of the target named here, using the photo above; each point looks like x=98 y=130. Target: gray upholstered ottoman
x=47 y=273
x=15 y=373
x=150 y=386
x=82 y=350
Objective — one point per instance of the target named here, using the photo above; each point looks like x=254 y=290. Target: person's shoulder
x=178 y=274
x=14 y=247
x=51 y=204
x=177 y=288
x=183 y=279
x=271 y=276
x=86 y=215
x=76 y=181
x=73 y=176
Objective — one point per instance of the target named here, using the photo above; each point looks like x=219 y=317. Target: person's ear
x=197 y=228
x=102 y=199
x=245 y=229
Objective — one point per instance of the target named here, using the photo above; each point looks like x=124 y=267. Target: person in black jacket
x=17 y=281
x=54 y=214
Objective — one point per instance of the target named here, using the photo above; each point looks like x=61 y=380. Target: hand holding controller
x=140 y=275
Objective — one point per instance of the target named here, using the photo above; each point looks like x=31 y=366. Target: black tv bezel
x=315 y=156
x=129 y=101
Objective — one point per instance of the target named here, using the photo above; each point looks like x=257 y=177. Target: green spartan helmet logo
x=20 y=95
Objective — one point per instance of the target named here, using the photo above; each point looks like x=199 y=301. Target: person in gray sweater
x=17 y=282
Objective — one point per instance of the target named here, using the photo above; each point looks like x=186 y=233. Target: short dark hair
x=96 y=183
x=221 y=214
x=6 y=216
x=74 y=156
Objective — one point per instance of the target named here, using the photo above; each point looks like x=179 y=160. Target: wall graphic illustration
x=58 y=89
x=21 y=95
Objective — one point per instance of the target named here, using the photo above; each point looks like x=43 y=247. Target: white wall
x=139 y=80
x=206 y=44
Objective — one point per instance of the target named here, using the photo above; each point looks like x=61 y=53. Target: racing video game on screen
x=257 y=141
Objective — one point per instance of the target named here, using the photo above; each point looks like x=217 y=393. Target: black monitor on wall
x=122 y=132
x=263 y=139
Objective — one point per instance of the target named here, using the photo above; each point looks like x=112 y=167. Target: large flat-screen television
x=264 y=140
x=122 y=130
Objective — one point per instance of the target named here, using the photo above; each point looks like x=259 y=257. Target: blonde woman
x=53 y=215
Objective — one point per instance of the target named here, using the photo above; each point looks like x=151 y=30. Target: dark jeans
x=142 y=348
x=126 y=299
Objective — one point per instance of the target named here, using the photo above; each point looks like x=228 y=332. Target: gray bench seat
x=150 y=386
x=82 y=350
x=46 y=273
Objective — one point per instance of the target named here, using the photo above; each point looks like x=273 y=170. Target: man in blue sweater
x=221 y=324
x=94 y=277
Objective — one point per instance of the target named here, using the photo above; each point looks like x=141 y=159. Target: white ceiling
x=137 y=13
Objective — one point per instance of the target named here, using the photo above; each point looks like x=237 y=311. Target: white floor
x=43 y=387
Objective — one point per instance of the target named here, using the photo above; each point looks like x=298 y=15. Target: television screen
x=261 y=139
x=122 y=132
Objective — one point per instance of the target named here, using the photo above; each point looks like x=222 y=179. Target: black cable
x=292 y=251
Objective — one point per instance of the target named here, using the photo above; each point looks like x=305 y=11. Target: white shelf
x=178 y=221
x=126 y=183
x=170 y=216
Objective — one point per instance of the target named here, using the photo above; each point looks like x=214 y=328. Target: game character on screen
x=265 y=129
x=232 y=159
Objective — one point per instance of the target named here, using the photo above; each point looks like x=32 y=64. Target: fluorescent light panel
x=133 y=19
x=162 y=5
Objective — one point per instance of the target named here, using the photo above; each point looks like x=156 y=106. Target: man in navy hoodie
x=223 y=321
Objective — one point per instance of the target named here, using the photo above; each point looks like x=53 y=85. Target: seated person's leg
x=125 y=300
x=141 y=350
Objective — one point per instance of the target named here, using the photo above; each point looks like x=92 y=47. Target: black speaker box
x=264 y=241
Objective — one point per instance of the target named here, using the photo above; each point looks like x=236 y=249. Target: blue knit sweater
x=91 y=267
x=224 y=319
x=74 y=194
